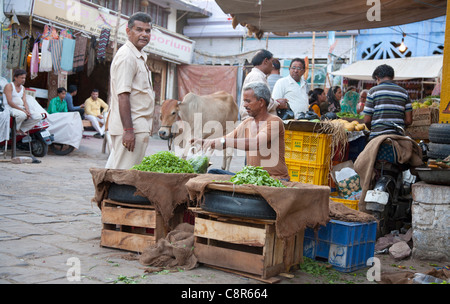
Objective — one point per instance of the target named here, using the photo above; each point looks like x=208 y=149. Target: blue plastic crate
x=346 y=245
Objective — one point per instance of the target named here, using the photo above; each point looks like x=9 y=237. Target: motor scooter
x=36 y=140
x=389 y=199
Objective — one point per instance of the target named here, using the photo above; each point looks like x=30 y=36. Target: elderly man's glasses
x=297 y=68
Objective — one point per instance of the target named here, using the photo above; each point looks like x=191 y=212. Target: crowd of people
x=93 y=108
x=265 y=94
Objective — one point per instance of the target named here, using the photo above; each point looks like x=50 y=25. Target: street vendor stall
x=416 y=69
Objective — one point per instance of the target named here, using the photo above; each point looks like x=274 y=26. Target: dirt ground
x=46 y=217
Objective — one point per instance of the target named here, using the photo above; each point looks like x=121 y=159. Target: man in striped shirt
x=387 y=104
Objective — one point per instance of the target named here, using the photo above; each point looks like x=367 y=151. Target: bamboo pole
x=312 y=60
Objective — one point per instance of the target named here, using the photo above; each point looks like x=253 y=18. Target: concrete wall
x=431 y=221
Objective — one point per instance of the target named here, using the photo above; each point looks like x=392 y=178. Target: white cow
x=207 y=116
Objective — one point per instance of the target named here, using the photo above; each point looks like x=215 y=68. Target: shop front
x=86 y=37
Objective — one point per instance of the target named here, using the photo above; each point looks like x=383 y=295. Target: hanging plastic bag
x=198 y=159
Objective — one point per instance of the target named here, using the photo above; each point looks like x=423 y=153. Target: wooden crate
x=245 y=246
x=132 y=227
x=424 y=117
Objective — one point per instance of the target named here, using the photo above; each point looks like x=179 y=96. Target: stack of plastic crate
x=346 y=245
x=307 y=156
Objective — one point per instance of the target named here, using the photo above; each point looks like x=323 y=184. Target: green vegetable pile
x=164 y=162
x=256 y=176
x=199 y=163
x=349 y=115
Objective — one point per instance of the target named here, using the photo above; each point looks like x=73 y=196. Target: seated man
x=261 y=135
x=14 y=100
x=387 y=105
x=58 y=104
x=94 y=113
x=71 y=92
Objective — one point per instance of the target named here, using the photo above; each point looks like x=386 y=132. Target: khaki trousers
x=121 y=158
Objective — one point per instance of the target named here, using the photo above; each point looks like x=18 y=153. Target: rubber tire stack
x=439 y=136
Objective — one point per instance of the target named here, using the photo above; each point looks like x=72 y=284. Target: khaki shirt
x=130 y=74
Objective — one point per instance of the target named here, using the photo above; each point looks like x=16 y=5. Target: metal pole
x=116 y=33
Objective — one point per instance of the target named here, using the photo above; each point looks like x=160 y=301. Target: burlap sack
x=164 y=190
x=297 y=206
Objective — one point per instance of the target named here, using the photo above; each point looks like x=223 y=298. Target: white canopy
x=405 y=68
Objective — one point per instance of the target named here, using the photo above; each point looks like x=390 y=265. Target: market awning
x=328 y=15
x=405 y=68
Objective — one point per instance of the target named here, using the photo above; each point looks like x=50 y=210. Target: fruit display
x=428 y=102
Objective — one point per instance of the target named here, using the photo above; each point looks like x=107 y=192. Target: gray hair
x=139 y=16
x=260 y=90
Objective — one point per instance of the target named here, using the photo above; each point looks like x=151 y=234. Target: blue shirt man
x=72 y=91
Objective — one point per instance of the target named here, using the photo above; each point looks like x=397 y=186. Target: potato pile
x=352 y=126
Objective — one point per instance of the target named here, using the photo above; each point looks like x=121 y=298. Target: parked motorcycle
x=37 y=139
x=390 y=200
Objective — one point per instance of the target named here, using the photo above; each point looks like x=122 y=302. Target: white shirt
x=296 y=94
x=255 y=75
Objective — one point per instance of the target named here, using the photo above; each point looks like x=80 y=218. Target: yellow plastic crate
x=313 y=148
x=352 y=204
x=308 y=173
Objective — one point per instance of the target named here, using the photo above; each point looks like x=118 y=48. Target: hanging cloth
x=65 y=34
x=91 y=56
x=24 y=53
x=79 y=53
x=14 y=49
x=34 y=63
x=68 y=49
x=103 y=43
x=46 y=57
x=56 y=50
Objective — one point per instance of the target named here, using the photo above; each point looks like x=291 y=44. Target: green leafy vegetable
x=256 y=176
x=199 y=163
x=164 y=162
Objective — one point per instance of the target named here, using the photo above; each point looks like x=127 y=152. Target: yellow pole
x=444 y=109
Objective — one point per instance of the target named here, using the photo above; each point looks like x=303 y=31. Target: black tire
x=238 y=204
x=39 y=147
x=439 y=133
x=125 y=194
x=436 y=151
x=61 y=149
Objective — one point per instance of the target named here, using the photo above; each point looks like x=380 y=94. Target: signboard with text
x=91 y=20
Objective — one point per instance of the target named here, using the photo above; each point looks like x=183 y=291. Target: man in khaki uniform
x=132 y=97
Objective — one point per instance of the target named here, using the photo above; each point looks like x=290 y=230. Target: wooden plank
x=270 y=280
x=86 y=123
x=200 y=211
x=108 y=202
x=230 y=233
x=298 y=250
x=129 y=217
x=289 y=252
x=268 y=248
x=126 y=241
x=231 y=259
x=278 y=251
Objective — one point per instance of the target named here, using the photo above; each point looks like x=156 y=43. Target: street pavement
x=50 y=231
x=49 y=227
